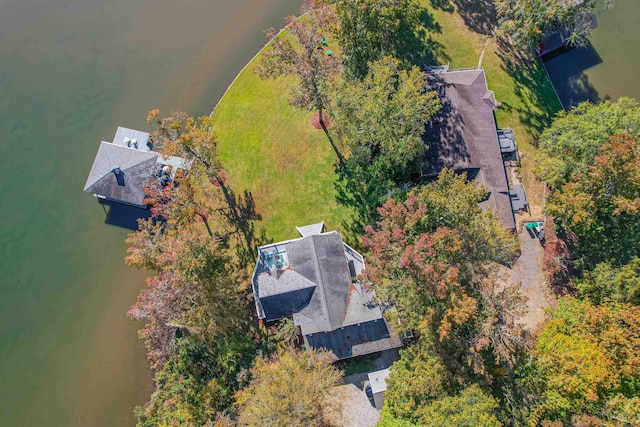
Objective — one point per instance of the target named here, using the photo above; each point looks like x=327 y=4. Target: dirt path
x=528 y=274
x=484 y=47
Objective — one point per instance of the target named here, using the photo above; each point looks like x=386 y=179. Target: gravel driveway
x=528 y=274
x=349 y=406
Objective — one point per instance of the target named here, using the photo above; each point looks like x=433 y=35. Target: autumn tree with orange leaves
x=197 y=290
x=586 y=365
x=602 y=205
x=199 y=241
x=433 y=257
x=192 y=138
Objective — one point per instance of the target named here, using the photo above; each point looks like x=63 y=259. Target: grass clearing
x=270 y=148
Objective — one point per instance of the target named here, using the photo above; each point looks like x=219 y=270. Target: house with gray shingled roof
x=122 y=169
x=463 y=136
x=312 y=280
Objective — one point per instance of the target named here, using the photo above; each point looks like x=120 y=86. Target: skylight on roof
x=275 y=259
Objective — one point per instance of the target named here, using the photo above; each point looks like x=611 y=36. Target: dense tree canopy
x=471 y=408
x=197 y=382
x=525 y=21
x=606 y=283
x=285 y=390
x=587 y=363
x=379 y=123
x=570 y=145
x=431 y=257
x=602 y=205
x=367 y=30
x=196 y=291
x=382 y=118
x=418 y=378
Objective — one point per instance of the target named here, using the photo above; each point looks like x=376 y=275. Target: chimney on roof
x=119 y=176
x=490 y=98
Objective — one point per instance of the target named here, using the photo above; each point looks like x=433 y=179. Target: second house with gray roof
x=313 y=280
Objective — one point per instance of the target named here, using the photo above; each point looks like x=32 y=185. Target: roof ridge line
x=325 y=308
x=101 y=177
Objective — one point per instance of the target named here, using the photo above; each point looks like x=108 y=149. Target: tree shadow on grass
x=532 y=86
x=444 y=5
x=241 y=214
x=333 y=144
x=478 y=15
x=419 y=47
x=360 y=207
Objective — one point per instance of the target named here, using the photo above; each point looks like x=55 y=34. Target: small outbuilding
x=378 y=384
x=123 y=168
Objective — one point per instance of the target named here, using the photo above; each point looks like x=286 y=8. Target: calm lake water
x=71 y=71
x=609 y=68
x=617 y=41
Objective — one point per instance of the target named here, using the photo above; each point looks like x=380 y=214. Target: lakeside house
x=313 y=280
x=463 y=136
x=122 y=169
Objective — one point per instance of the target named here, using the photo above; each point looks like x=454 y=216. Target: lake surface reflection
x=71 y=71
x=608 y=68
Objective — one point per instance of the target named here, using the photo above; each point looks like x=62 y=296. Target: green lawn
x=271 y=149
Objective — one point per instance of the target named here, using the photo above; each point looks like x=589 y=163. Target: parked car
x=507 y=140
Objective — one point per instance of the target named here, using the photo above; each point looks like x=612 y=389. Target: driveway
x=528 y=275
x=349 y=406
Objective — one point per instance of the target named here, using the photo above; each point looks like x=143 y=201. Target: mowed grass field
x=270 y=148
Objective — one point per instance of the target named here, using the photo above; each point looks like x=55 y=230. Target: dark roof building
x=312 y=280
x=463 y=136
x=122 y=169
